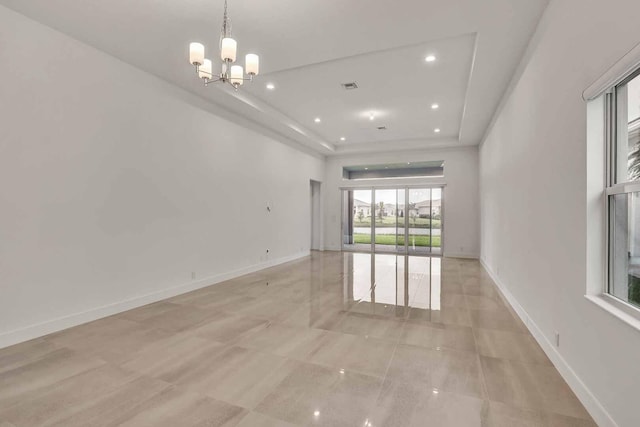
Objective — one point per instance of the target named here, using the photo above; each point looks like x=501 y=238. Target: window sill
x=628 y=314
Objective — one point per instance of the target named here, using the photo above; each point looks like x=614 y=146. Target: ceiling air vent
x=350 y=86
x=381 y=128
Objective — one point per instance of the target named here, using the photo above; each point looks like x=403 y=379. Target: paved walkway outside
x=389 y=230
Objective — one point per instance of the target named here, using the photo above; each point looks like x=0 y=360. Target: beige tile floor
x=330 y=340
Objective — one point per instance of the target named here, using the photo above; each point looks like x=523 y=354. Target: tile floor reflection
x=334 y=339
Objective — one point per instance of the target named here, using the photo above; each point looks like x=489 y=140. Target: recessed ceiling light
x=430 y=58
x=342 y=138
x=317 y=120
x=316 y=413
x=437 y=130
x=434 y=106
x=271 y=86
x=371 y=116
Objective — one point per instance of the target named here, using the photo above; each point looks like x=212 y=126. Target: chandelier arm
x=204 y=72
x=209 y=81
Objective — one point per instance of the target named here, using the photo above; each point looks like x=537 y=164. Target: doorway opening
x=404 y=220
x=316 y=214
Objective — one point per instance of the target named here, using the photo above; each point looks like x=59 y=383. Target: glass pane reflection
x=391 y=285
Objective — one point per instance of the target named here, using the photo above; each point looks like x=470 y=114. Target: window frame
x=612 y=122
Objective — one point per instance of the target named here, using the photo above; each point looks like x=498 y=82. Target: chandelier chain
x=225 y=22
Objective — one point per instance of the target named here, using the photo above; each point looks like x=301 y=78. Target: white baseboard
x=593 y=406
x=54 y=325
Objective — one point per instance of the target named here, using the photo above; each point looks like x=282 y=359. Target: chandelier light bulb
x=196 y=53
x=205 y=71
x=252 y=64
x=237 y=75
x=228 y=49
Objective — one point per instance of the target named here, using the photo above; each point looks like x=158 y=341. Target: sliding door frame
x=406 y=189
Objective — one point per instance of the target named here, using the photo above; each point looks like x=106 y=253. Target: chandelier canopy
x=232 y=74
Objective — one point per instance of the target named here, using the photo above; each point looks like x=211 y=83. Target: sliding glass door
x=425 y=220
x=396 y=220
x=357 y=219
x=389 y=224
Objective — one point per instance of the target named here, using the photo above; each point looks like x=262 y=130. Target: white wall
x=115 y=186
x=533 y=198
x=461 y=235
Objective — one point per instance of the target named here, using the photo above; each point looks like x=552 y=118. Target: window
x=623 y=190
x=432 y=169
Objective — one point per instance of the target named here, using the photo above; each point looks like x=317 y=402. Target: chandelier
x=232 y=74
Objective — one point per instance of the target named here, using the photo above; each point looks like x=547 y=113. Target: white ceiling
x=308 y=48
x=402 y=104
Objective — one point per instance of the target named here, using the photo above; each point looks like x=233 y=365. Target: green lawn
x=390 y=222
x=634 y=290
x=386 y=239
